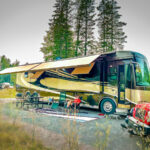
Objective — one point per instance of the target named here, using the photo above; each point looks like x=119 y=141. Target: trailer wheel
x=107 y=106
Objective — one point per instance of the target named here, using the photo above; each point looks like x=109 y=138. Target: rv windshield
x=142 y=72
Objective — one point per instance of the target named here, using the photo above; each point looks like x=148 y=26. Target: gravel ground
x=90 y=133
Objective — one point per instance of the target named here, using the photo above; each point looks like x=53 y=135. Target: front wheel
x=108 y=106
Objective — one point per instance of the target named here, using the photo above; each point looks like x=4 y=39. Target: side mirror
x=130 y=113
x=138 y=69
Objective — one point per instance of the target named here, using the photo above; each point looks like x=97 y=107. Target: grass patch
x=71 y=136
x=12 y=137
x=8 y=93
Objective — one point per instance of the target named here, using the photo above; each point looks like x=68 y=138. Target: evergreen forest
x=83 y=27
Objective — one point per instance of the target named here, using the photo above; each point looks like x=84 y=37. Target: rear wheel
x=108 y=106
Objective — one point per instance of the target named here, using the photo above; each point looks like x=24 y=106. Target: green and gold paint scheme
x=55 y=81
x=123 y=76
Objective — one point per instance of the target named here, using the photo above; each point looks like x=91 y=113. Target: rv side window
x=112 y=75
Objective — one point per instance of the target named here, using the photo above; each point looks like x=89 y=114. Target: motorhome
x=108 y=80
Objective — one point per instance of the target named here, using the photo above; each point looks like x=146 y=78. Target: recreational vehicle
x=108 y=80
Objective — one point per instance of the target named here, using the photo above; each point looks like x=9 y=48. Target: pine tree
x=84 y=26
x=78 y=18
x=48 y=45
x=59 y=39
x=111 y=35
x=68 y=34
x=15 y=63
x=4 y=62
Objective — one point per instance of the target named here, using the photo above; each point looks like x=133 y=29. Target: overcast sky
x=23 y=24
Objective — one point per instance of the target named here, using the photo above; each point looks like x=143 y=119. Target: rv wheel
x=107 y=106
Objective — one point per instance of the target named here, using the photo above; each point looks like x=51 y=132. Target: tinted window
x=141 y=72
x=112 y=74
x=128 y=76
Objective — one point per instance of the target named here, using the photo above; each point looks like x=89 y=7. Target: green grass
x=12 y=137
x=8 y=93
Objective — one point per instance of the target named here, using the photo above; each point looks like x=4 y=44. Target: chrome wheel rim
x=107 y=106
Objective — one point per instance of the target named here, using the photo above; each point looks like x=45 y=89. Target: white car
x=5 y=85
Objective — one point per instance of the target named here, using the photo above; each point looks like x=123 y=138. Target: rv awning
x=65 y=63
x=23 y=68
x=83 y=70
x=37 y=75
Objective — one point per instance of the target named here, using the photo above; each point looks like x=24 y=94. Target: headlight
x=148 y=120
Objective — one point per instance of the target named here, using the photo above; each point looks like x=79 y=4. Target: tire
x=108 y=106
